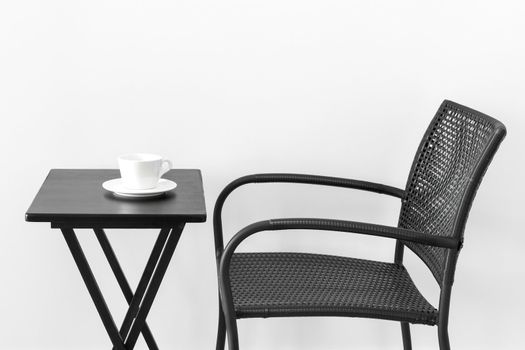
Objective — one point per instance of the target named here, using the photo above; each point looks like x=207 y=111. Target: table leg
x=139 y=303
x=154 y=285
x=144 y=282
x=123 y=282
x=92 y=286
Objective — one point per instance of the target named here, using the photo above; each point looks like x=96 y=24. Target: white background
x=342 y=88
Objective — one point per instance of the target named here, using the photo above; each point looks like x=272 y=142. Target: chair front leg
x=233 y=337
x=228 y=310
x=221 y=329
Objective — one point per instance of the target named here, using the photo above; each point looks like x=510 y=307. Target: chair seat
x=298 y=284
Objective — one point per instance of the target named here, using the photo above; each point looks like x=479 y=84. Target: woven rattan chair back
x=448 y=167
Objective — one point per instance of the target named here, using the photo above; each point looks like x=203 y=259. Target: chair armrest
x=291 y=178
x=314 y=180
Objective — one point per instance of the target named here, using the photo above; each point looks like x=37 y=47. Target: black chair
x=447 y=170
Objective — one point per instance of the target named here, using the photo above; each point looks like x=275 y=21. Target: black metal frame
x=139 y=302
x=227 y=318
x=315 y=224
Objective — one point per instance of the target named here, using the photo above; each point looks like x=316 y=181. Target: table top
x=75 y=198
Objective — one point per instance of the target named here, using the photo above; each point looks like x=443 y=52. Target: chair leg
x=405 y=331
x=221 y=330
x=444 y=343
x=233 y=338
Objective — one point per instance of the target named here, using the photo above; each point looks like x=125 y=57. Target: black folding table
x=74 y=199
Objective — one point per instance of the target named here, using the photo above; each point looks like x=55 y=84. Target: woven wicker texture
x=298 y=284
x=454 y=144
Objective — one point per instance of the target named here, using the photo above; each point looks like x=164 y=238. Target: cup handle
x=165 y=167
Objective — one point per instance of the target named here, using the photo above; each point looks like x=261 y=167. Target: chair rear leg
x=221 y=330
x=444 y=306
x=405 y=331
x=444 y=343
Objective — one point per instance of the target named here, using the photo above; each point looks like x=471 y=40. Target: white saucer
x=117 y=187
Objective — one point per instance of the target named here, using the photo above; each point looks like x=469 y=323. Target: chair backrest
x=447 y=169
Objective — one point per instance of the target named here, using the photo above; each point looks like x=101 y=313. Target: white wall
x=343 y=88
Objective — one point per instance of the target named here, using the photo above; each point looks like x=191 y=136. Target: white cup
x=141 y=171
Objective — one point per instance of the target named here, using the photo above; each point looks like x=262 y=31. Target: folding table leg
x=144 y=281
x=122 y=281
x=154 y=285
x=92 y=286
